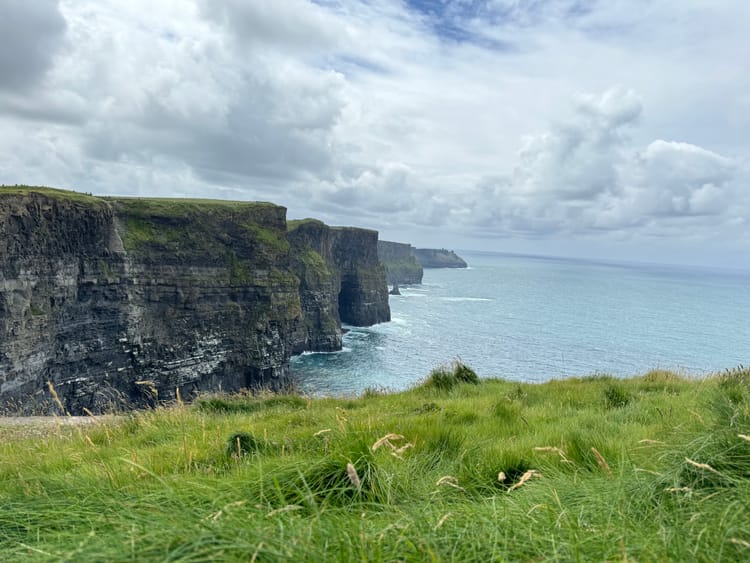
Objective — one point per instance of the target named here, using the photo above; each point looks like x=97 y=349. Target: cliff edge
x=121 y=301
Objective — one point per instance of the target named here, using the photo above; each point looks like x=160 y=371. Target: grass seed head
x=530 y=474
x=351 y=472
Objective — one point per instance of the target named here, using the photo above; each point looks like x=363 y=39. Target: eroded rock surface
x=120 y=302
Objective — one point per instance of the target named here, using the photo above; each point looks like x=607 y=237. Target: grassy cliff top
x=162 y=206
x=651 y=468
x=166 y=207
x=294 y=224
x=68 y=195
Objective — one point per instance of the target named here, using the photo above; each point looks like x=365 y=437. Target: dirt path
x=27 y=426
x=47 y=420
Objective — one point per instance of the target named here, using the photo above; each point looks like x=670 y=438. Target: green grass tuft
x=445 y=378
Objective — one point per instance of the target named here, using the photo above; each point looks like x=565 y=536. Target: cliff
x=120 y=301
x=434 y=258
x=341 y=280
x=400 y=261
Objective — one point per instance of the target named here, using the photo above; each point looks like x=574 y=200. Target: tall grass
x=472 y=471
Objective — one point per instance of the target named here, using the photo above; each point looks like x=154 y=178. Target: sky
x=613 y=129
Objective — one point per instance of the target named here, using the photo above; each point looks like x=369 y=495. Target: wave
x=457 y=299
x=344 y=350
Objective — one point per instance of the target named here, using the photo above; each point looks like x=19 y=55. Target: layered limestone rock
x=341 y=280
x=439 y=258
x=120 y=302
x=400 y=261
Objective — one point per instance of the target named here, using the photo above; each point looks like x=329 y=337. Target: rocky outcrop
x=434 y=258
x=341 y=280
x=123 y=301
x=400 y=261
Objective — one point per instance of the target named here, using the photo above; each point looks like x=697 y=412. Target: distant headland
x=439 y=258
x=404 y=264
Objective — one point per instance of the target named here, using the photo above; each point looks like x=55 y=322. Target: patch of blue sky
x=454 y=21
x=503 y=13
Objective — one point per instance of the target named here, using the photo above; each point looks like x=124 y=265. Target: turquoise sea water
x=535 y=319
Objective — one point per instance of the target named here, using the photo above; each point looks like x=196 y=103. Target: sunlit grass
x=650 y=468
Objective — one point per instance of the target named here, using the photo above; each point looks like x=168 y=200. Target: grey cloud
x=296 y=25
x=31 y=31
x=577 y=160
x=63 y=107
x=234 y=115
x=386 y=188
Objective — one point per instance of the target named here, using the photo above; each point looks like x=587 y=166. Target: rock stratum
x=400 y=261
x=114 y=302
x=439 y=258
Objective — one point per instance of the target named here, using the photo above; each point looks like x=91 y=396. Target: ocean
x=534 y=319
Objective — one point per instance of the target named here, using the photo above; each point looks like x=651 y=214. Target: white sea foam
x=465 y=299
x=344 y=350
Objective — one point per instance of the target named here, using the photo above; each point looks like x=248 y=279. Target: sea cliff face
x=400 y=261
x=341 y=280
x=123 y=301
x=439 y=258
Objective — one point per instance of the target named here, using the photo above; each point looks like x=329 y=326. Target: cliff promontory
x=439 y=258
x=400 y=261
x=121 y=301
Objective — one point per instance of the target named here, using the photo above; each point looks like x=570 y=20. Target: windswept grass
x=651 y=468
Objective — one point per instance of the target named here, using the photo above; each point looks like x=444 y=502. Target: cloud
x=578 y=159
x=584 y=175
x=680 y=179
x=485 y=120
x=145 y=84
x=294 y=26
x=32 y=33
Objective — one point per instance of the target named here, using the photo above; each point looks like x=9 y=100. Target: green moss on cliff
x=240 y=271
x=269 y=238
x=313 y=262
x=140 y=232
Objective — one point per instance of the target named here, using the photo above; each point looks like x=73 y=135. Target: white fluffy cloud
x=498 y=120
x=585 y=175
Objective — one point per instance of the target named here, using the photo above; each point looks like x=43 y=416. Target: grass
x=248 y=238
x=61 y=195
x=650 y=468
x=294 y=224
